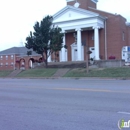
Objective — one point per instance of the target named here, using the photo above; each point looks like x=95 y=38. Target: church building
x=87 y=28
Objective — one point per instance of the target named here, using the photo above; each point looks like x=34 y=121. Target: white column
x=96 y=42
x=49 y=55
x=49 y=58
x=79 y=45
x=63 y=49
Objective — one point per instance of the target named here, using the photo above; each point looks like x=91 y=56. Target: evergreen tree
x=45 y=39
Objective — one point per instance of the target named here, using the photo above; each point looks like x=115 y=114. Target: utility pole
x=87 y=53
x=87 y=69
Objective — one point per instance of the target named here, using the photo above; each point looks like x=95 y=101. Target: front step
x=61 y=72
x=14 y=73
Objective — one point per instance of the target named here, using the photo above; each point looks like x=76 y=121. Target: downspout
x=105 y=40
x=14 y=61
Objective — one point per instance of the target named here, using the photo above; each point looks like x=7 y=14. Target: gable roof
x=68 y=7
x=72 y=13
x=17 y=50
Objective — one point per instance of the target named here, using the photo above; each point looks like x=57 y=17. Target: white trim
x=79 y=44
x=63 y=53
x=96 y=42
x=68 y=7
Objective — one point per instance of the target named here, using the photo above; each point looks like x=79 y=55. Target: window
x=12 y=63
x=1 y=64
x=12 y=56
x=1 y=57
x=123 y=36
x=6 y=57
x=6 y=64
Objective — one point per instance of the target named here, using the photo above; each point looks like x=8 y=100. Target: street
x=63 y=104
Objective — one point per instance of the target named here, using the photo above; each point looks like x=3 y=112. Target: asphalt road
x=63 y=104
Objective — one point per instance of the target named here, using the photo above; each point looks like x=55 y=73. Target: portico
x=76 y=20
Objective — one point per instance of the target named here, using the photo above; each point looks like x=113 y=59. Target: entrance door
x=66 y=55
x=75 y=54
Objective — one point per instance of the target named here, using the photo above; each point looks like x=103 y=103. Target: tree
x=56 y=40
x=29 y=53
x=46 y=38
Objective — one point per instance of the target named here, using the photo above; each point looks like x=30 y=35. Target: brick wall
x=7 y=62
x=115 y=27
x=26 y=60
x=69 y=40
x=128 y=35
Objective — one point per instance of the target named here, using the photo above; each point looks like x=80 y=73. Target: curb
x=76 y=78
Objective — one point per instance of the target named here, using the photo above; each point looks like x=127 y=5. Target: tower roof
x=84 y=4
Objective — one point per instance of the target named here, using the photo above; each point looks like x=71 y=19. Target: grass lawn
x=37 y=73
x=107 y=72
x=4 y=73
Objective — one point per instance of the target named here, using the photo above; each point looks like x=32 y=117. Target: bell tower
x=84 y=4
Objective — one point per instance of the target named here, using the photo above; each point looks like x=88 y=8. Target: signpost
x=88 y=52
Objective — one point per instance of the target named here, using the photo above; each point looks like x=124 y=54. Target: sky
x=19 y=16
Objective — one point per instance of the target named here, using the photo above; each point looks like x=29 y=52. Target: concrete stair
x=14 y=73
x=61 y=72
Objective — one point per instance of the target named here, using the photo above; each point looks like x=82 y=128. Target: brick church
x=86 y=27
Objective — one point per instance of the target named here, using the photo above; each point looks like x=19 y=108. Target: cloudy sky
x=19 y=16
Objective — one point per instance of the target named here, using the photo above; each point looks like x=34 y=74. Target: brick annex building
x=17 y=58
x=105 y=34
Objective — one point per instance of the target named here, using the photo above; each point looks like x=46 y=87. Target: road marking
x=91 y=90
x=126 y=113
x=83 y=89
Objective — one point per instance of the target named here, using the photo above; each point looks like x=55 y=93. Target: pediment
x=72 y=13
